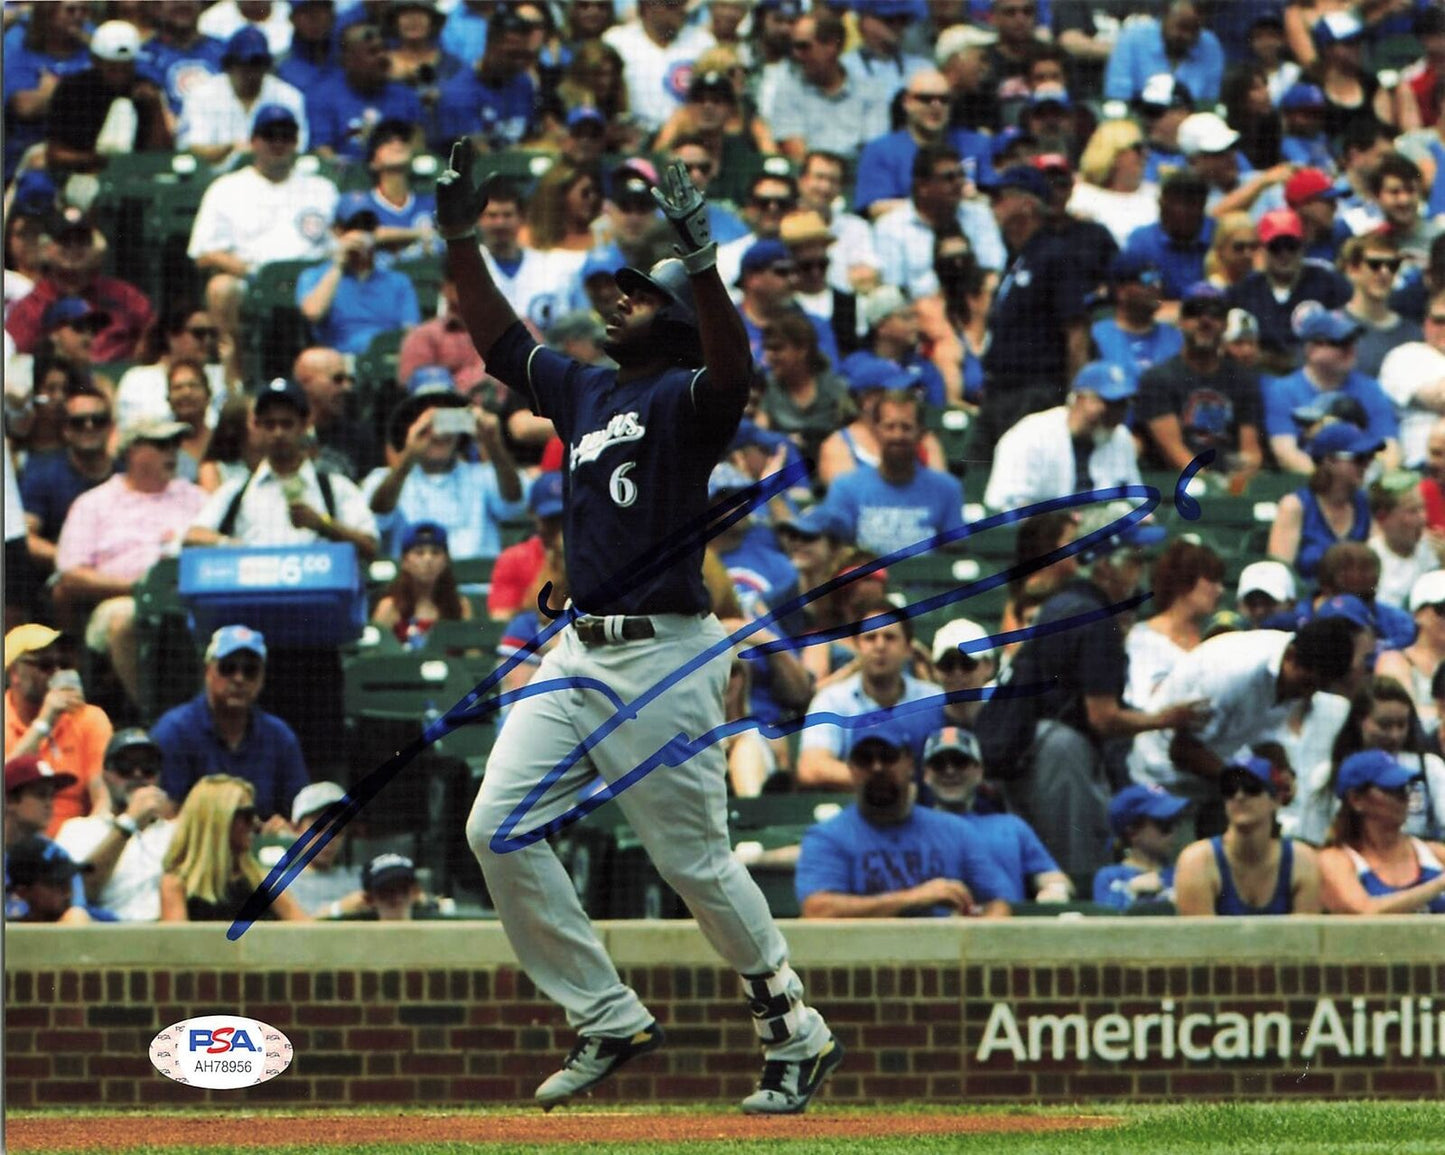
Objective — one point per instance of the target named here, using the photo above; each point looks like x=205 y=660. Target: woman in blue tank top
x=1248 y=869
x=1332 y=507
x=1369 y=864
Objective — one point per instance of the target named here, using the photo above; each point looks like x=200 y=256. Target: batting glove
x=684 y=206
x=460 y=197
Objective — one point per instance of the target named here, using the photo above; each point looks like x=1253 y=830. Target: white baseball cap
x=952 y=41
x=1267 y=577
x=116 y=40
x=959 y=632
x=1205 y=132
x=1428 y=590
x=314 y=798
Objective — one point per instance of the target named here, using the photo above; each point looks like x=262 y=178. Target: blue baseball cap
x=887 y=732
x=872 y=372
x=230 y=639
x=815 y=522
x=352 y=208
x=248 y=45
x=423 y=533
x=431 y=379
x=751 y=434
x=1021 y=178
x=1138 y=801
x=1342 y=437
x=1337 y=28
x=764 y=254
x=388 y=867
x=884 y=9
x=75 y=311
x=1256 y=767
x=546 y=496
x=602 y=262
x=1302 y=96
x=1346 y=606
x=273 y=116
x=727 y=478
x=1050 y=94
x=1326 y=325
x=586 y=114
x=35 y=194
x=1106 y=380
x=283 y=391
x=1133 y=266
x=1007 y=138
x=1372 y=768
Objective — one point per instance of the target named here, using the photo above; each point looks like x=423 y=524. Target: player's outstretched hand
x=460 y=196
x=684 y=206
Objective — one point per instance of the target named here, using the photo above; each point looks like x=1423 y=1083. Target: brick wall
x=440 y=1014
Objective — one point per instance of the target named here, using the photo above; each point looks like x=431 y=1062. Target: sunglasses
x=204 y=333
x=1381 y=264
x=875 y=755
x=340 y=378
x=49 y=665
x=89 y=421
x=248 y=668
x=1436 y=318
x=1284 y=245
x=772 y=202
x=937 y=98
x=703 y=166
x=1248 y=783
x=951 y=175
x=1244 y=246
x=802 y=45
x=1204 y=312
x=820 y=265
x=279 y=135
x=128 y=770
x=964 y=662
x=783 y=269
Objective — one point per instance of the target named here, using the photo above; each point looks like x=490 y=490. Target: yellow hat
x=27 y=639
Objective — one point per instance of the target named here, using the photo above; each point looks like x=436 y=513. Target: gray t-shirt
x=1375 y=343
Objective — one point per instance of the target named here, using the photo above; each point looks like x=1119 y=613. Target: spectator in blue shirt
x=1305 y=142
x=52 y=46
x=464 y=35
x=222 y=731
x=405 y=220
x=349 y=300
x=178 y=55
x=1132 y=338
x=312 y=58
x=1177 y=243
x=1177 y=44
x=342 y=110
x=494 y=102
x=50 y=482
x=1142 y=820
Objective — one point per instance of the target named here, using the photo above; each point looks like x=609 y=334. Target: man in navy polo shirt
x=1329 y=339
x=495 y=101
x=1177 y=242
x=342 y=110
x=222 y=731
x=1287 y=280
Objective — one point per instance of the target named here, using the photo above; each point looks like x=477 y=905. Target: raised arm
x=460 y=201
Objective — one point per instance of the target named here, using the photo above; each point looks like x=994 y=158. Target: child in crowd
x=1142 y=819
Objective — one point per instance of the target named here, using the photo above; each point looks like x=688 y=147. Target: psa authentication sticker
x=220 y=1052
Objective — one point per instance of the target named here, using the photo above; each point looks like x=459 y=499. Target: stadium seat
x=271 y=321
x=170 y=660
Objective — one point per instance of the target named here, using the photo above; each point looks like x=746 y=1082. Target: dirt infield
x=119 y=1132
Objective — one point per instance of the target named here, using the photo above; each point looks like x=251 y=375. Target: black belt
x=611 y=631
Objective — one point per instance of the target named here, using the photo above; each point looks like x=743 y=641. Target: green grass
x=1313 y=1128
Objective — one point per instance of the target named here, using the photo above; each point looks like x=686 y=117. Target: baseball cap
x=116 y=41
x=248 y=45
x=314 y=798
x=423 y=533
x=1007 y=138
x=388 y=867
x=633 y=190
x=1428 y=590
x=886 y=8
x=961 y=632
x=1240 y=324
x=763 y=255
x=815 y=522
x=1280 y=223
x=131 y=738
x=546 y=496
x=960 y=37
x=282 y=391
x=1342 y=437
x=1050 y=94
x=75 y=311
x=882 y=303
x=28 y=639
x=1346 y=606
x=586 y=114
x=356 y=210
x=1202 y=297
x=1340 y=406
x=386 y=130
x=792 y=9
x=1372 y=768
x=1020 y=178
x=35 y=194
x=887 y=732
x=1205 y=132
x=1106 y=380
x=1139 y=801
x=273 y=116
x=1052 y=163
x=1224 y=622
x=507 y=19
x=1267 y=577
x=1302 y=95
x=726 y=478
x=954 y=738
x=1310 y=184
x=639 y=167
x=24 y=769
x=230 y=639
x=431 y=379
x=154 y=429
x=1137 y=535
x=1326 y=325
x=1163 y=91
x=1337 y=28
x=704 y=83
x=870 y=371
x=67 y=221
x=34 y=859
x=1255 y=767
x=803 y=227
x=752 y=435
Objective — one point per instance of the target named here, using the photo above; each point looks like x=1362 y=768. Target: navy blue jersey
x=636 y=467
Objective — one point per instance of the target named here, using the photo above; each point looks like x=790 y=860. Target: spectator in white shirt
x=1413 y=376
x=216 y=113
x=1397 y=512
x=659 y=49
x=853 y=265
x=1081 y=445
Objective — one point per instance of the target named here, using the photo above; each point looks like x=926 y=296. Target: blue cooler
x=300 y=595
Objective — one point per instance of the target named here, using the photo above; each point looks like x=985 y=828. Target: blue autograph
x=477 y=706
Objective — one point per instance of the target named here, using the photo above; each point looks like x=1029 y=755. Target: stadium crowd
x=989 y=253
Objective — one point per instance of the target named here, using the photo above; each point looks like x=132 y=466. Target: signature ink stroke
x=477 y=706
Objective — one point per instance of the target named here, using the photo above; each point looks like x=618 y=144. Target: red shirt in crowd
x=130 y=312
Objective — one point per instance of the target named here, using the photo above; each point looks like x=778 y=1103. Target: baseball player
x=641 y=441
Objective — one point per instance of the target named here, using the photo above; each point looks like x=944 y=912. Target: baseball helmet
x=678 y=318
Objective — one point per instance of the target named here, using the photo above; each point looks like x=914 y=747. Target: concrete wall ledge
x=321 y=946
